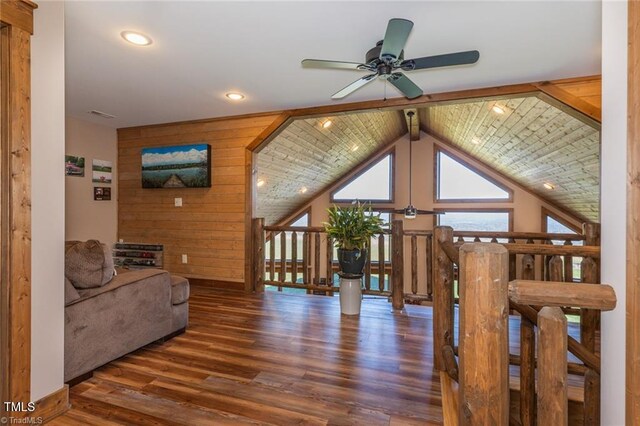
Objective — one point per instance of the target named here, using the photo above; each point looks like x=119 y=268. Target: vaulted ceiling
x=306 y=158
x=533 y=139
x=533 y=142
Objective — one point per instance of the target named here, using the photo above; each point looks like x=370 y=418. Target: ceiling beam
x=571 y=100
x=413 y=123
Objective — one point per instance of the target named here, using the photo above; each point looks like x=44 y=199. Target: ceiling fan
x=410 y=212
x=388 y=56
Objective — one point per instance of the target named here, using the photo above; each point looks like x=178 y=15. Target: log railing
x=486 y=296
x=303 y=257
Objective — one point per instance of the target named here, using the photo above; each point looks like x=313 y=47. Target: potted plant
x=351 y=229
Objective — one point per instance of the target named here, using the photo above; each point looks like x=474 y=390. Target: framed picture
x=101 y=171
x=101 y=193
x=74 y=166
x=183 y=166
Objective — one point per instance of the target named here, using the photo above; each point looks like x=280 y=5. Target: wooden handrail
x=553 y=250
x=519 y=235
x=274 y=228
x=560 y=294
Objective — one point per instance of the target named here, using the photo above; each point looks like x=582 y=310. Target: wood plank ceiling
x=532 y=142
x=308 y=155
x=536 y=140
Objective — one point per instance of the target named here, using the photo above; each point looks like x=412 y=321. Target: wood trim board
x=15 y=211
x=52 y=405
x=632 y=389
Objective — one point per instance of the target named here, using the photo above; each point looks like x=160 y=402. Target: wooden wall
x=210 y=226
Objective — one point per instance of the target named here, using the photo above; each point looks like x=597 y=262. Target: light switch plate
x=184 y=258
x=178 y=202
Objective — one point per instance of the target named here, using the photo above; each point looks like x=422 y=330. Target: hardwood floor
x=272 y=359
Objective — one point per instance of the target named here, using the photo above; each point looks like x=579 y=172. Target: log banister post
x=258 y=254
x=443 y=301
x=484 y=335
x=397 y=265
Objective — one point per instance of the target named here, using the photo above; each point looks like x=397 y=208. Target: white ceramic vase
x=350 y=296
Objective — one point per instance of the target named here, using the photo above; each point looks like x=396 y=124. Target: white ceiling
x=202 y=50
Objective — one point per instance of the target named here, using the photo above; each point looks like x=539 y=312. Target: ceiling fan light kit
x=386 y=60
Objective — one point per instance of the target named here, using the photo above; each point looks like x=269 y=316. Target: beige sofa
x=121 y=314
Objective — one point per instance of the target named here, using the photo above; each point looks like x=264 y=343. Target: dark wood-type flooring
x=272 y=358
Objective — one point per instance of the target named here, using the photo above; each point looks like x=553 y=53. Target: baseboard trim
x=52 y=405
x=227 y=285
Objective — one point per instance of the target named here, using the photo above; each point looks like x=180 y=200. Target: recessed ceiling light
x=475 y=141
x=355 y=148
x=497 y=109
x=138 y=39
x=235 y=96
x=548 y=186
x=303 y=189
x=260 y=183
x=326 y=124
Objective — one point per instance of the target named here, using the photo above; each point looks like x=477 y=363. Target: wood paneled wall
x=210 y=226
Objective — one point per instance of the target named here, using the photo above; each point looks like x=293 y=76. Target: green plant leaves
x=352 y=227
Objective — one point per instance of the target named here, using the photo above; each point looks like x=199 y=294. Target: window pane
x=302 y=220
x=456 y=181
x=476 y=221
x=373 y=184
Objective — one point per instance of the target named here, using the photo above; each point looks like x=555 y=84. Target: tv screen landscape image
x=182 y=166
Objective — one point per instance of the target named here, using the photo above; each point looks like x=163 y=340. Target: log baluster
x=397 y=263
x=527 y=373
x=443 y=300
x=381 y=262
x=258 y=254
x=272 y=257
x=316 y=258
x=528 y=267
x=294 y=257
x=555 y=269
x=552 y=367
x=568 y=264
x=306 y=256
x=512 y=263
x=367 y=267
x=484 y=342
x=591 y=398
x=429 y=260
x=589 y=317
x=283 y=258
x=329 y=263
x=414 y=264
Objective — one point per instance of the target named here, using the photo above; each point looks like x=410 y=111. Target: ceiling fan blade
x=390 y=210
x=405 y=85
x=446 y=60
x=320 y=63
x=428 y=212
x=354 y=86
x=395 y=38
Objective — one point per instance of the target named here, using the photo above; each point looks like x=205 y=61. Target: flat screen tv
x=182 y=166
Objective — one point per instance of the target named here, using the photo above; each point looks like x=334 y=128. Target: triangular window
x=458 y=181
x=373 y=183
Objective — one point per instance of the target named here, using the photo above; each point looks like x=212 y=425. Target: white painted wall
x=47 y=160
x=613 y=211
x=85 y=218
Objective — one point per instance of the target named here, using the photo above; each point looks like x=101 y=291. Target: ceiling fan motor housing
x=373 y=55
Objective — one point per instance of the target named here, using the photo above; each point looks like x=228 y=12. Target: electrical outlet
x=178 y=203
x=184 y=258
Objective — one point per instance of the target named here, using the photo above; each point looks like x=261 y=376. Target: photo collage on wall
x=101 y=173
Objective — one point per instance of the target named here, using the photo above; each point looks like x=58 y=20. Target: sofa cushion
x=88 y=264
x=120 y=280
x=70 y=292
x=179 y=289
